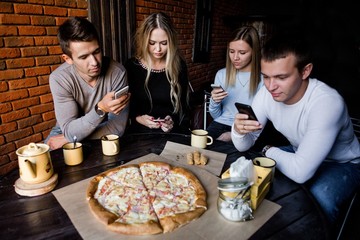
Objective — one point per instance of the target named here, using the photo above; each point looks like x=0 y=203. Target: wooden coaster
x=25 y=189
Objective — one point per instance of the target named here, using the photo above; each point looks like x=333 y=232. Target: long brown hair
x=250 y=35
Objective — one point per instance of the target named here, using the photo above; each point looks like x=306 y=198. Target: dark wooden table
x=42 y=217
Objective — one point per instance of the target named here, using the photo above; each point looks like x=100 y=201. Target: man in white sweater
x=324 y=151
x=83 y=88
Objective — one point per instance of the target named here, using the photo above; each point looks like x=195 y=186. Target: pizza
x=146 y=198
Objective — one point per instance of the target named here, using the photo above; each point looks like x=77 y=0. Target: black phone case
x=246 y=109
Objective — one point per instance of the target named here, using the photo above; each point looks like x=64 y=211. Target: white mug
x=110 y=144
x=200 y=138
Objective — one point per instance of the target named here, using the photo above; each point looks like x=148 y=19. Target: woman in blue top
x=239 y=81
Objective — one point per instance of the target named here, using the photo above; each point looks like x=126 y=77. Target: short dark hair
x=283 y=44
x=76 y=29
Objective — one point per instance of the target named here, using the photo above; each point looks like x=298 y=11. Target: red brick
x=18 y=134
x=8 y=31
x=37 y=71
x=19 y=41
x=28 y=9
x=46 y=41
x=46 y=98
x=13 y=95
x=36 y=91
x=43 y=79
x=5 y=107
x=9 y=53
x=14 y=115
x=4 y=159
x=24 y=103
x=30 y=121
x=3 y=86
x=42 y=20
x=11 y=74
x=77 y=12
x=49 y=116
x=31 y=30
x=7 y=127
x=33 y=51
x=52 y=31
x=2 y=66
x=43 y=2
x=6 y=7
x=55 y=50
x=12 y=19
x=41 y=108
x=8 y=167
x=20 y=63
x=66 y=3
x=60 y=20
x=48 y=60
x=82 y=4
x=55 y=11
x=38 y=128
x=23 y=83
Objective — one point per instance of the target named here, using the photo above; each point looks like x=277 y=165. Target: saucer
x=26 y=189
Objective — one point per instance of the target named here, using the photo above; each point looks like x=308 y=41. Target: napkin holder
x=260 y=188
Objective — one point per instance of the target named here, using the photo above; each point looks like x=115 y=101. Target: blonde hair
x=250 y=35
x=173 y=58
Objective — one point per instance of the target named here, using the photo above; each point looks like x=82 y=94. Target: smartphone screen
x=246 y=109
x=121 y=92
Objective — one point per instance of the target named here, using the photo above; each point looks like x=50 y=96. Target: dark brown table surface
x=42 y=217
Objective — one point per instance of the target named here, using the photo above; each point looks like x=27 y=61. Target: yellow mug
x=110 y=144
x=73 y=153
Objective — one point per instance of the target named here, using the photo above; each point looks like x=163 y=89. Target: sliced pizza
x=149 y=198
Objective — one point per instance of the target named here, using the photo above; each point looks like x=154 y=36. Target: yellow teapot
x=35 y=163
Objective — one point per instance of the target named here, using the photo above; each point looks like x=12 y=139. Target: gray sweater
x=75 y=101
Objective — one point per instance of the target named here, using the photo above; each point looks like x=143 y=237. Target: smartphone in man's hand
x=246 y=109
x=121 y=92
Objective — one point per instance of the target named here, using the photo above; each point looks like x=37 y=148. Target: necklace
x=243 y=84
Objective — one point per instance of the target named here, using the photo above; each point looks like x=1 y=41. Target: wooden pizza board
x=25 y=189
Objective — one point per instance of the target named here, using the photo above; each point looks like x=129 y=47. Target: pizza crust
x=162 y=223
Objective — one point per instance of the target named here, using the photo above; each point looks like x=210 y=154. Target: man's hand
x=57 y=141
x=243 y=126
x=115 y=106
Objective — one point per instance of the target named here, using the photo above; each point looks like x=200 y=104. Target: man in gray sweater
x=83 y=88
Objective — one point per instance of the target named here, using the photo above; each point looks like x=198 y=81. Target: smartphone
x=121 y=92
x=246 y=109
x=159 y=120
x=216 y=86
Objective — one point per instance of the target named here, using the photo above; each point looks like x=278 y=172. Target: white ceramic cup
x=200 y=138
x=73 y=155
x=266 y=162
x=110 y=144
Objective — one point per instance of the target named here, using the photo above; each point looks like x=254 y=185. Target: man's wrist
x=264 y=150
x=99 y=111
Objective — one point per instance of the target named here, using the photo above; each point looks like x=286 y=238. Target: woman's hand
x=148 y=121
x=168 y=124
x=218 y=94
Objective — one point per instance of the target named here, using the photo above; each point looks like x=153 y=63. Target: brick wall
x=29 y=52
